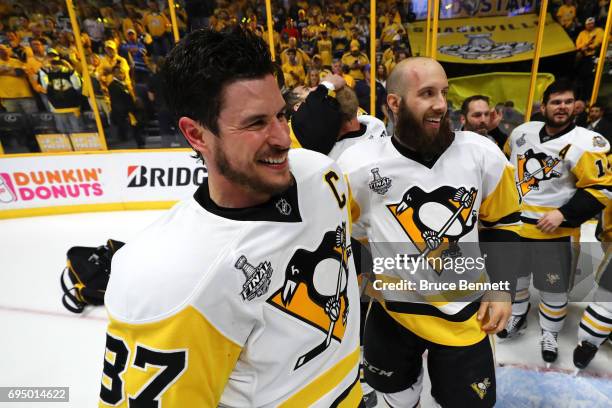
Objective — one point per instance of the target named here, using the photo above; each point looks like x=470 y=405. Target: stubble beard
x=248 y=181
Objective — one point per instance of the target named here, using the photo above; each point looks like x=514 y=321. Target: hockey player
x=245 y=294
x=562 y=178
x=424 y=187
x=328 y=121
x=323 y=118
x=596 y=323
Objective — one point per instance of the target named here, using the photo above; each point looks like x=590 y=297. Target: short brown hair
x=349 y=104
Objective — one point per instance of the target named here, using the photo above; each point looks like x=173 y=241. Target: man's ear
x=394 y=101
x=195 y=134
x=542 y=108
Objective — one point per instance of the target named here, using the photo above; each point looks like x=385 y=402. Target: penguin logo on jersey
x=379 y=184
x=441 y=216
x=599 y=141
x=315 y=290
x=481 y=387
x=257 y=278
x=533 y=168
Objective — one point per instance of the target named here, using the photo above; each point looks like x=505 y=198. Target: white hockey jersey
x=254 y=307
x=550 y=170
x=403 y=203
x=371 y=128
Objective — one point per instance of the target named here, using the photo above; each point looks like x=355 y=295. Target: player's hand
x=495 y=118
x=494 y=312
x=550 y=221
x=336 y=80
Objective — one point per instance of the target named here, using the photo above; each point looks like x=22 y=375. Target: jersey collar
x=428 y=162
x=355 y=133
x=283 y=207
x=545 y=137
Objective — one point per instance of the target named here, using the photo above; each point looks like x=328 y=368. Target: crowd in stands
x=584 y=22
x=125 y=43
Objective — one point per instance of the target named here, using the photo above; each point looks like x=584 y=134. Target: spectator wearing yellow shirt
x=293 y=71
x=389 y=32
x=324 y=47
x=355 y=60
x=67 y=50
x=338 y=69
x=302 y=58
x=389 y=53
x=399 y=55
x=588 y=44
x=38 y=33
x=18 y=50
x=104 y=72
x=34 y=64
x=340 y=38
x=589 y=40
x=15 y=92
x=566 y=15
x=159 y=27
x=128 y=21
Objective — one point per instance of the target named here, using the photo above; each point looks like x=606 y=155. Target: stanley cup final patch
x=257 y=278
x=379 y=184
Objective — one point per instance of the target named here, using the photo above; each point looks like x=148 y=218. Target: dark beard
x=411 y=134
x=551 y=124
x=246 y=180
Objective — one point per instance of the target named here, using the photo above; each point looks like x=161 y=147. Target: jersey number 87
x=170 y=364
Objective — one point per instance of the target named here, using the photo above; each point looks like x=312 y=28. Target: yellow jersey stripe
x=595 y=325
x=324 y=383
x=550 y=312
x=531 y=231
x=211 y=357
x=503 y=201
x=441 y=331
x=354 y=397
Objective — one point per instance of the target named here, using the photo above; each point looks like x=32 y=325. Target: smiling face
x=425 y=93
x=558 y=110
x=418 y=100
x=249 y=154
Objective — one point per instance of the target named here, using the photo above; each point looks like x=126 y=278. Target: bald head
x=411 y=72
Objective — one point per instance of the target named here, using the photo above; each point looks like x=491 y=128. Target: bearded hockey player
x=422 y=188
x=563 y=180
x=244 y=295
